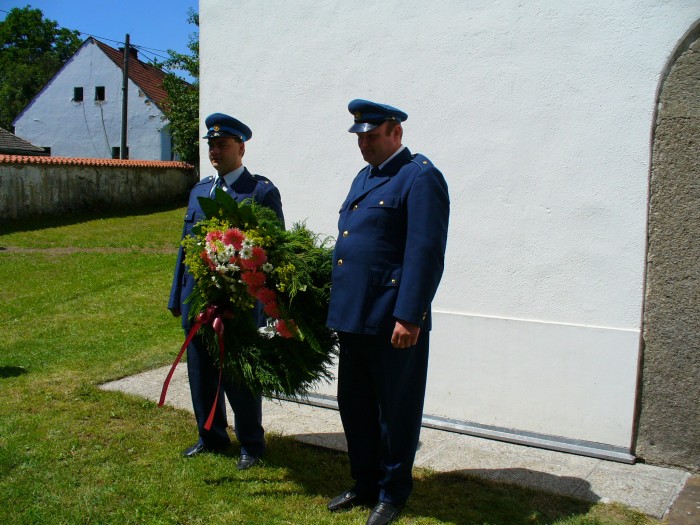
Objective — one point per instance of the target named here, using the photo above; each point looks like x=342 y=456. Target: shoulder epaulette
x=205 y=180
x=421 y=160
x=262 y=179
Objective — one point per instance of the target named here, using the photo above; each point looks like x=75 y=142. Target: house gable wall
x=91 y=128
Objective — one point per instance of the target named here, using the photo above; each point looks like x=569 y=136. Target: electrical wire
x=142 y=49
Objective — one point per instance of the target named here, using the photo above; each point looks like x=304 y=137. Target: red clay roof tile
x=147 y=77
x=115 y=163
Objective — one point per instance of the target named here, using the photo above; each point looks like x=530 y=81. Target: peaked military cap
x=220 y=125
x=368 y=115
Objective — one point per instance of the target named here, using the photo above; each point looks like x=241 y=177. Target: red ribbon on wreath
x=213 y=315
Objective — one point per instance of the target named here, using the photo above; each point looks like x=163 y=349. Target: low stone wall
x=32 y=186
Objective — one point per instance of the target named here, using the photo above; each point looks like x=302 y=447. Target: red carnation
x=284 y=328
x=205 y=257
x=249 y=264
x=266 y=296
x=257 y=258
x=216 y=235
x=254 y=280
x=235 y=237
x=272 y=310
x=259 y=255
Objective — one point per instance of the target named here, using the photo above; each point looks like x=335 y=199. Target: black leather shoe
x=348 y=500
x=383 y=513
x=195 y=449
x=246 y=461
x=199 y=448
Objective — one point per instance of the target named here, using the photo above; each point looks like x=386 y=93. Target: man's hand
x=176 y=312
x=405 y=334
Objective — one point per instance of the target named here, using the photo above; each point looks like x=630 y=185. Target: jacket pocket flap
x=387 y=200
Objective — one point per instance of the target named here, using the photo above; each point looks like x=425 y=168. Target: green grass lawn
x=84 y=302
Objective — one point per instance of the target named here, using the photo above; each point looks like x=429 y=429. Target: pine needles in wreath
x=250 y=268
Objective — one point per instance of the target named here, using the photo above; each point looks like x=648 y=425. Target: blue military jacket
x=389 y=256
x=247 y=186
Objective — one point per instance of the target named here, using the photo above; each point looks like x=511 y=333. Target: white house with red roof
x=78 y=113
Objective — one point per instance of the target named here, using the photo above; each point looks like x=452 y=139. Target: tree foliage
x=182 y=105
x=32 y=50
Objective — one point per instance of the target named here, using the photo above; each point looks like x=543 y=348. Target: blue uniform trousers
x=380 y=396
x=247 y=406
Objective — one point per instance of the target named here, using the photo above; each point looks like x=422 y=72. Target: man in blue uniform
x=388 y=262
x=227 y=138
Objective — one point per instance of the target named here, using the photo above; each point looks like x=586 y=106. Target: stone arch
x=668 y=424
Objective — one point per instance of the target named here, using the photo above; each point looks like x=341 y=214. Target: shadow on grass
x=12 y=371
x=480 y=496
x=458 y=497
x=69 y=218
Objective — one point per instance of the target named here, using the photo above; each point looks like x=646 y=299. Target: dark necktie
x=218 y=183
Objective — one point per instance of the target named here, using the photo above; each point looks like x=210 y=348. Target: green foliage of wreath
x=295 y=349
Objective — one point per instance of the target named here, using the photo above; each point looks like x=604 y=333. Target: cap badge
x=216 y=128
x=358 y=115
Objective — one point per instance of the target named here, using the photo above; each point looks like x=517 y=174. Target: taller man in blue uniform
x=388 y=261
x=226 y=137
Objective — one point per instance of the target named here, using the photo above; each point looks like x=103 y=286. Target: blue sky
x=155 y=24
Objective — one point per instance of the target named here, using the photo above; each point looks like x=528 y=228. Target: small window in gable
x=77 y=94
x=99 y=92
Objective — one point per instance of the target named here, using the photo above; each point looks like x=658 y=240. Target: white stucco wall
x=539 y=115
x=90 y=128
